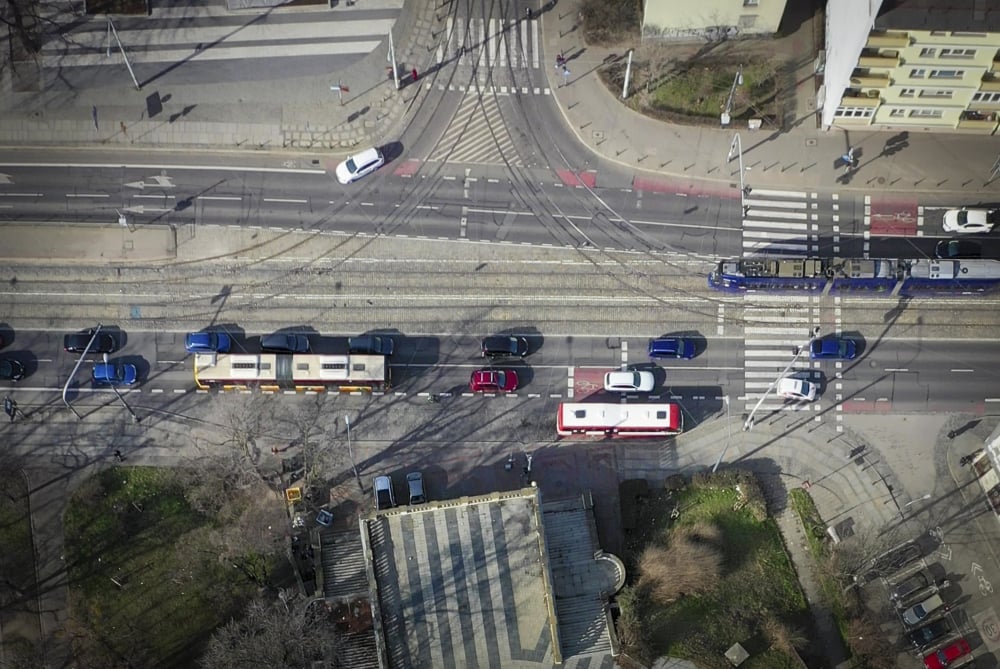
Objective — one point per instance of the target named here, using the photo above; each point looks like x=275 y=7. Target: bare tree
x=273 y=635
x=22 y=18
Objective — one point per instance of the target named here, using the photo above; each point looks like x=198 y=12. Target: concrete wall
x=710 y=19
x=848 y=23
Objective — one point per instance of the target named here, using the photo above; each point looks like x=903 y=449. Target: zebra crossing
x=477 y=134
x=779 y=222
x=775 y=326
x=501 y=53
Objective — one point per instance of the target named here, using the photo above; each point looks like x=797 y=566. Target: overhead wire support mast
x=748 y=425
x=112 y=31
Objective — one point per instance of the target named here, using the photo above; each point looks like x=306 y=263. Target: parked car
x=629 y=382
x=384 y=496
x=797 y=389
x=958 y=248
x=833 y=348
x=931 y=632
x=944 y=657
x=207 y=342
x=504 y=346
x=910 y=586
x=415 y=484
x=967 y=221
x=913 y=615
x=895 y=559
x=374 y=344
x=671 y=347
x=284 y=342
x=359 y=165
x=115 y=374
x=493 y=381
x=11 y=370
x=77 y=342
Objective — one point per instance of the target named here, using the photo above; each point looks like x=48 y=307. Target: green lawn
x=756 y=591
x=701 y=88
x=145 y=589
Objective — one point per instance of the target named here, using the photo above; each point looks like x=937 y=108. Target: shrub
x=607 y=22
x=690 y=564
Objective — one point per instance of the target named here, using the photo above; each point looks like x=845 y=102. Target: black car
x=912 y=584
x=11 y=370
x=284 y=342
x=930 y=633
x=958 y=248
x=77 y=342
x=504 y=346
x=374 y=344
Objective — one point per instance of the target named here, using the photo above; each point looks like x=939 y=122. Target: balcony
x=865 y=79
x=887 y=39
x=979 y=122
x=996 y=66
x=854 y=97
x=873 y=58
x=990 y=82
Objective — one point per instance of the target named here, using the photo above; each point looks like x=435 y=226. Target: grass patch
x=144 y=586
x=610 y=22
x=752 y=597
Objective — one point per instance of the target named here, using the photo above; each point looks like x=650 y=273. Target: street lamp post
x=737 y=81
x=350 y=452
x=914 y=501
x=729 y=435
x=748 y=425
x=736 y=149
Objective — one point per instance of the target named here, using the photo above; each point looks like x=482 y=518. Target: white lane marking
x=219 y=168
x=284 y=200
x=87 y=195
x=779 y=193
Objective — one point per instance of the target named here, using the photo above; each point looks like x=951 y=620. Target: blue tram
x=877 y=276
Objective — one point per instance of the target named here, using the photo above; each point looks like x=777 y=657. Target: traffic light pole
x=748 y=425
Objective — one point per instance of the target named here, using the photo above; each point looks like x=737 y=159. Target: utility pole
x=737 y=81
x=392 y=59
x=121 y=399
x=350 y=452
x=628 y=74
x=113 y=32
x=72 y=374
x=736 y=148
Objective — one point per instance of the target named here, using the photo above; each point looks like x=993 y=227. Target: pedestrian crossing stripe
x=484 y=43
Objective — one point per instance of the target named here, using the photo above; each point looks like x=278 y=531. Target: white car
x=797 y=389
x=359 y=165
x=629 y=382
x=969 y=220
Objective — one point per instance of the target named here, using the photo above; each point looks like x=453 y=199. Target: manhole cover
x=881 y=181
x=811 y=141
x=598 y=134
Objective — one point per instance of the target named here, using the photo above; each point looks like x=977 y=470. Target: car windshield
x=499 y=379
x=963 y=217
x=352 y=166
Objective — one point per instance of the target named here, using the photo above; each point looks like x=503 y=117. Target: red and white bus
x=304 y=371
x=616 y=420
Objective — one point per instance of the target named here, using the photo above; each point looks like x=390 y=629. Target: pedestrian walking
x=10 y=408
x=848 y=159
x=565 y=73
x=118 y=456
x=560 y=62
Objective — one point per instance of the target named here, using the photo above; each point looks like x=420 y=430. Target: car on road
x=384 y=496
x=945 y=657
x=504 y=346
x=415 y=485
x=797 y=389
x=359 y=165
x=372 y=344
x=955 y=249
x=493 y=381
x=931 y=632
x=969 y=221
x=629 y=382
x=207 y=342
x=672 y=347
x=833 y=348
x=285 y=342
x=11 y=370
x=913 y=615
x=115 y=374
x=913 y=584
x=77 y=342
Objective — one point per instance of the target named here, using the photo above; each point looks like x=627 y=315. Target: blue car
x=671 y=347
x=207 y=342
x=833 y=348
x=115 y=374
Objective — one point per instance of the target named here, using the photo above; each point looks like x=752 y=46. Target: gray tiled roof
x=950 y=15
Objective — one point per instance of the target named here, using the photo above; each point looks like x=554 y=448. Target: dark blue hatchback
x=833 y=348
x=207 y=342
x=671 y=347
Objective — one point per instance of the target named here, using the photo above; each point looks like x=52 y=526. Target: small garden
x=710 y=570
x=150 y=575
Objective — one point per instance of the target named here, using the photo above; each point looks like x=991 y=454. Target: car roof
x=366 y=156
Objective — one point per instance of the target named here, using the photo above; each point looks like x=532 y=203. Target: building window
x=947 y=74
x=854 y=112
x=749 y=3
x=957 y=33
x=939 y=33
x=896 y=113
x=918 y=73
x=936 y=93
x=907 y=92
x=926 y=113
x=928 y=53
x=985 y=97
x=958 y=53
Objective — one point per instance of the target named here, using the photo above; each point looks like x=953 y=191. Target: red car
x=943 y=657
x=493 y=381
